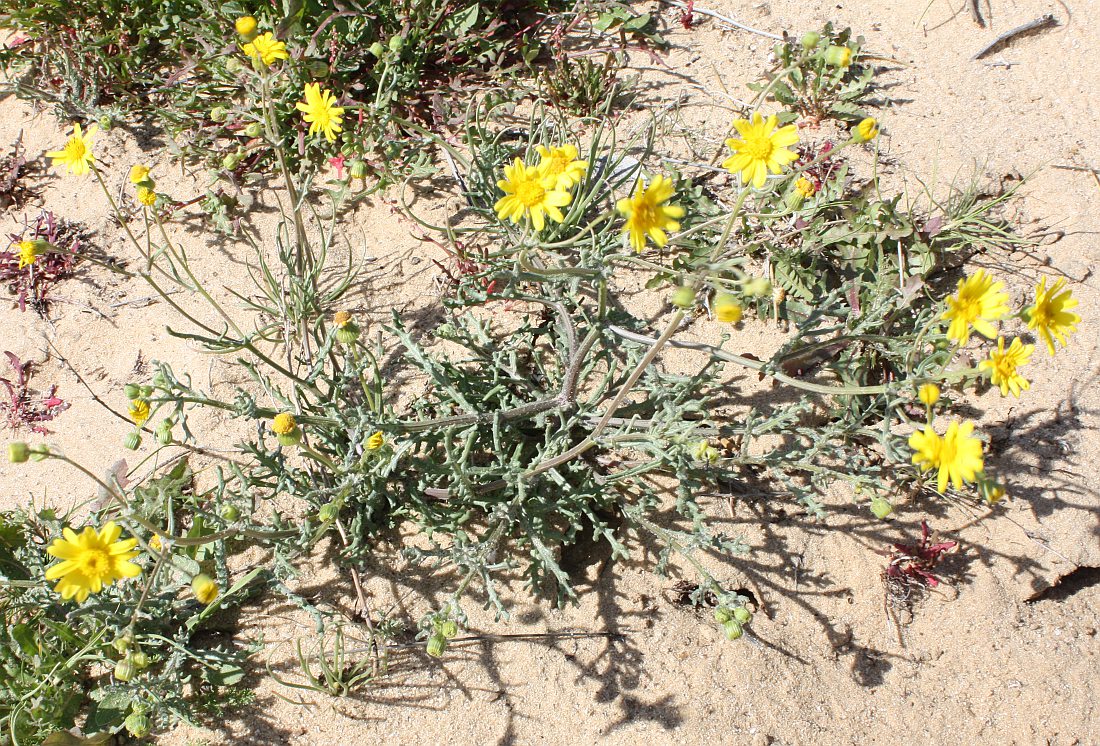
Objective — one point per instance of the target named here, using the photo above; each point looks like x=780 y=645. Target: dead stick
x=1039 y=24
x=976 y=13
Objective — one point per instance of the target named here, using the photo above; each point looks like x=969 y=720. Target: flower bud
x=881 y=507
x=722 y=615
x=137 y=724
x=132 y=391
x=253 y=130
x=219 y=113
x=164 y=433
x=683 y=296
x=449 y=629
x=733 y=629
x=374 y=442
x=377 y=49
x=229 y=513
x=397 y=43
x=122 y=644
x=838 y=56
x=233 y=66
x=757 y=287
x=18 y=452
x=704 y=451
x=318 y=69
x=437 y=643
x=929 y=394
x=231 y=161
x=204 y=588
x=328 y=512
x=810 y=39
x=246 y=27
x=726 y=308
x=357 y=169
x=132 y=441
x=865 y=131
x=742 y=615
x=140 y=659
x=139 y=173
x=125 y=670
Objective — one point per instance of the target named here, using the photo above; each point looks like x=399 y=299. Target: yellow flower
x=727 y=309
x=341 y=319
x=139 y=411
x=527 y=193
x=28 y=252
x=146 y=196
x=647 y=214
x=321 y=112
x=245 y=26
x=992 y=492
x=805 y=188
x=1002 y=365
x=929 y=394
x=838 y=56
x=284 y=424
x=865 y=130
x=138 y=173
x=957 y=455
x=205 y=589
x=77 y=154
x=561 y=164
x=375 y=441
x=90 y=561
x=155 y=543
x=978 y=301
x=1050 y=315
x=760 y=149
x=266 y=49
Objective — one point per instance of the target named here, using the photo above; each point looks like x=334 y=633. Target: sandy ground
x=990 y=658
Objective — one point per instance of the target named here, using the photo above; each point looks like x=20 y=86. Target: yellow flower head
x=205 y=589
x=155 y=543
x=375 y=441
x=957 y=455
x=138 y=173
x=865 y=130
x=727 y=309
x=760 y=149
x=77 y=154
x=1002 y=366
x=341 y=319
x=28 y=252
x=561 y=164
x=838 y=56
x=321 y=112
x=528 y=193
x=929 y=394
x=91 y=560
x=977 y=301
x=647 y=213
x=1050 y=315
x=139 y=411
x=284 y=424
x=805 y=188
x=245 y=26
x=146 y=196
x=266 y=49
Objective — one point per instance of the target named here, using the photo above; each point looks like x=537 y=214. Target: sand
x=993 y=656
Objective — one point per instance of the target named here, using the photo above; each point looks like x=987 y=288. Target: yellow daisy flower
x=321 y=112
x=205 y=589
x=375 y=441
x=265 y=48
x=805 y=188
x=561 y=164
x=866 y=130
x=139 y=411
x=957 y=455
x=77 y=154
x=91 y=560
x=284 y=424
x=929 y=394
x=647 y=214
x=1002 y=366
x=1050 y=315
x=727 y=309
x=138 y=173
x=146 y=196
x=28 y=252
x=245 y=26
x=761 y=148
x=977 y=301
x=527 y=193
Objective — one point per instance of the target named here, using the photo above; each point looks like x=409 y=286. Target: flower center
x=530 y=193
x=759 y=148
x=95 y=562
x=557 y=165
x=76 y=148
x=1042 y=315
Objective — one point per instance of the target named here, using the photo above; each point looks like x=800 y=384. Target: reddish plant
x=913 y=564
x=32 y=283
x=25 y=407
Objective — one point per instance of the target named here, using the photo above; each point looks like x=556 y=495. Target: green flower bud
x=318 y=69
x=742 y=615
x=233 y=66
x=437 y=643
x=137 y=724
x=231 y=161
x=132 y=391
x=449 y=629
x=377 y=49
x=881 y=507
x=254 y=130
x=328 y=512
x=838 y=56
x=229 y=512
x=397 y=43
x=219 y=113
x=122 y=644
x=733 y=629
x=810 y=39
x=18 y=452
x=125 y=670
x=132 y=441
x=722 y=615
x=164 y=432
x=357 y=169
x=683 y=297
x=140 y=659
x=160 y=380
x=40 y=453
